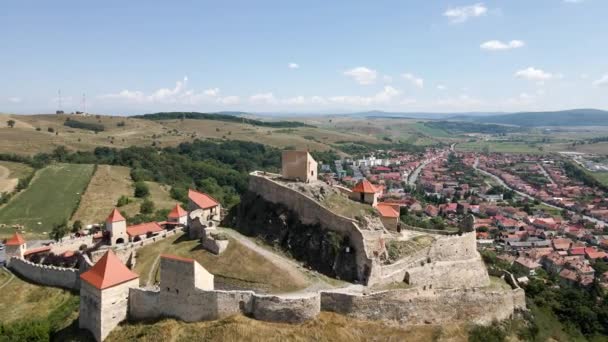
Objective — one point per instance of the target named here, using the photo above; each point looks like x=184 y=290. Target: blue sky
x=303 y=56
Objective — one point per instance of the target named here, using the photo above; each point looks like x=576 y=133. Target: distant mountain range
x=574 y=117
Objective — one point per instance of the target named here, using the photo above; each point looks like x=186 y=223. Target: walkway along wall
x=365 y=243
x=66 y=278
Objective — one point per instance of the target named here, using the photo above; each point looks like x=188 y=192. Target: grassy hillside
x=10 y=173
x=230 y=269
x=575 y=117
x=20 y=300
x=51 y=198
x=107 y=185
x=327 y=327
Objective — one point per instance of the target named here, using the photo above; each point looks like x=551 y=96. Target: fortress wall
x=67 y=278
x=415 y=306
x=455 y=247
x=199 y=305
x=144 y=304
x=449 y=274
x=289 y=310
x=312 y=212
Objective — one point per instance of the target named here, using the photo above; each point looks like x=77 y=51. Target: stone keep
x=104 y=295
x=299 y=166
x=15 y=247
x=116 y=228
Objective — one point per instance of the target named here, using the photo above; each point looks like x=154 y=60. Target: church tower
x=116 y=228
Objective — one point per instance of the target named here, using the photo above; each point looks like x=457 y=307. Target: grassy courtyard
x=237 y=268
x=51 y=198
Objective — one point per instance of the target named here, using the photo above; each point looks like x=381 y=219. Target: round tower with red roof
x=15 y=246
x=116 y=228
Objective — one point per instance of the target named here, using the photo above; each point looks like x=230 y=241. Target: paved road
x=502 y=183
x=542 y=169
x=411 y=179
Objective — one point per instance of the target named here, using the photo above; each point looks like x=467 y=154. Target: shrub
x=122 y=201
x=141 y=189
x=147 y=207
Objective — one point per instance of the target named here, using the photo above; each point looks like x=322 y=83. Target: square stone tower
x=116 y=228
x=104 y=295
x=298 y=166
x=15 y=246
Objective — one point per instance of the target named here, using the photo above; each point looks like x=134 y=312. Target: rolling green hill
x=574 y=117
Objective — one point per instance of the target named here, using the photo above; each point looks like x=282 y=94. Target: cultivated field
x=499 y=146
x=51 y=198
x=237 y=268
x=107 y=185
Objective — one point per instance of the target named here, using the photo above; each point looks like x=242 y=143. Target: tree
x=11 y=123
x=141 y=189
x=147 y=207
x=122 y=201
x=76 y=226
x=59 y=231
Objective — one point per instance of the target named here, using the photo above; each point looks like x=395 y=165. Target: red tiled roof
x=37 y=250
x=115 y=216
x=144 y=228
x=16 y=240
x=177 y=212
x=175 y=257
x=387 y=210
x=364 y=186
x=107 y=272
x=202 y=200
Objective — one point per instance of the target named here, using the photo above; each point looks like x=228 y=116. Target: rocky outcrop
x=326 y=251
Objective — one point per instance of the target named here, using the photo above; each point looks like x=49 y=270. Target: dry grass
x=104 y=190
x=159 y=194
x=10 y=173
x=326 y=327
x=237 y=268
x=344 y=206
x=22 y=300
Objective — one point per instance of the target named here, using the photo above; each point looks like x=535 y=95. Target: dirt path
x=9 y=280
x=152 y=272
x=294 y=269
x=6 y=184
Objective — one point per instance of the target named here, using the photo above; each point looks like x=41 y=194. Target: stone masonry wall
x=66 y=278
x=416 y=306
x=311 y=212
x=200 y=305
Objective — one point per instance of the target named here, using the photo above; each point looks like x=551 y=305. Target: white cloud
x=537 y=75
x=383 y=97
x=229 y=100
x=441 y=87
x=293 y=65
x=573 y=1
x=362 y=75
x=387 y=79
x=14 y=99
x=179 y=94
x=497 y=45
x=265 y=98
x=212 y=92
x=521 y=99
x=461 y=102
x=417 y=81
x=602 y=82
x=462 y=14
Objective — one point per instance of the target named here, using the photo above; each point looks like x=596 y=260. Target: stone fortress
x=445 y=278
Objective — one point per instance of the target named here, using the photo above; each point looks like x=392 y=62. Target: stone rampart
x=312 y=212
x=66 y=278
x=200 y=305
x=417 y=306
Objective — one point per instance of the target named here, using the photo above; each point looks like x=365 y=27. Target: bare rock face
x=323 y=250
